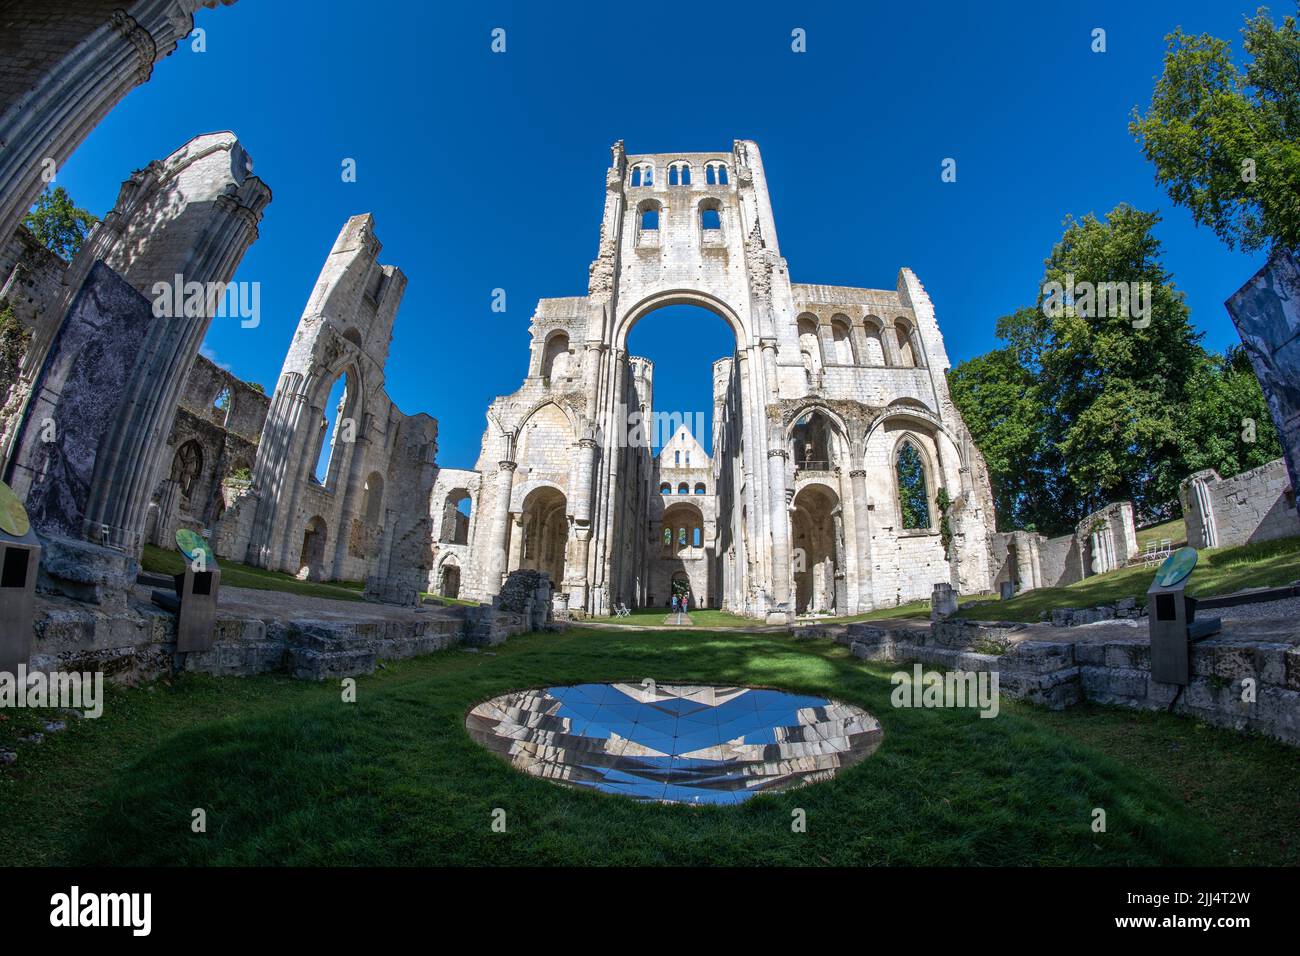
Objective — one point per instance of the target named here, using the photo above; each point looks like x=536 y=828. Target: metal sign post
x=20 y=556
x=1171 y=617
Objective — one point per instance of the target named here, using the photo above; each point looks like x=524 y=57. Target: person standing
x=674 y=602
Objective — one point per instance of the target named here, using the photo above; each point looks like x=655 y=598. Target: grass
x=700 y=617
x=289 y=774
x=1218 y=571
x=236 y=575
x=916 y=609
x=1175 y=531
x=447 y=601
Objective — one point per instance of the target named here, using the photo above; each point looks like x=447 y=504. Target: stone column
x=858 y=340
x=500 y=527
x=861 y=538
x=517 y=538
x=1024 y=563
x=840 y=581
x=778 y=509
x=826 y=341
x=889 y=345
x=583 y=476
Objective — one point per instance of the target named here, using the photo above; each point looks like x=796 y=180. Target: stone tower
x=845 y=478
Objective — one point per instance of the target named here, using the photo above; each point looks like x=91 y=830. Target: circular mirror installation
x=675 y=743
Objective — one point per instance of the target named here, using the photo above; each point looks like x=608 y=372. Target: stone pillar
x=826 y=341
x=858 y=340
x=1024 y=563
x=583 y=475
x=862 y=538
x=500 y=527
x=840 y=582
x=515 y=559
x=69 y=94
x=191 y=221
x=780 y=517
x=889 y=345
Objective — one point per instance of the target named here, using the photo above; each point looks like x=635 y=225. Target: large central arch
x=662 y=300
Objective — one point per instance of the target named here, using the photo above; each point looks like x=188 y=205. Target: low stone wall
x=1111 y=664
x=1256 y=505
x=313 y=639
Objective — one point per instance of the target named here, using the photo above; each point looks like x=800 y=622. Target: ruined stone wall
x=223 y=442
x=31 y=285
x=367 y=518
x=1255 y=505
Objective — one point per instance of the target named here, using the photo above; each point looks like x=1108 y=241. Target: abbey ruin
x=838 y=478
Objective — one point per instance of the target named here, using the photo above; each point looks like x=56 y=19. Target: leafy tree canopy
x=1085 y=406
x=1226 y=141
x=58 y=223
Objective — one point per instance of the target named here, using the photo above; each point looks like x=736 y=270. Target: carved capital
x=858 y=473
x=145 y=47
x=507 y=465
x=777 y=453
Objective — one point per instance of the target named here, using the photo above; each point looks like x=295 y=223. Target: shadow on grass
x=395 y=780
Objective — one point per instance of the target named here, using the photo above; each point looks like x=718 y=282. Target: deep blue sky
x=487 y=171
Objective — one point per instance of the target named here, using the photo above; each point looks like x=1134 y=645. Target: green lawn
x=289 y=774
x=916 y=609
x=1175 y=531
x=1218 y=571
x=235 y=575
x=654 y=617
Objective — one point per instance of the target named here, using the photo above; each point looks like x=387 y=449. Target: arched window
x=643 y=174
x=649 y=218
x=456 y=512
x=811 y=442
x=668 y=537
x=875 y=346
x=222 y=401
x=374 y=497
x=697 y=539
x=710 y=215
x=809 y=343
x=699 y=488
x=677 y=459
x=683 y=489
x=679 y=174
x=715 y=174
x=339 y=422
x=840 y=336
x=665 y=489
x=555 y=359
x=681 y=537
x=186 y=467
x=913 y=490
x=906 y=351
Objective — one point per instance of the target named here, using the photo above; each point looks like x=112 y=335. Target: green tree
x=1226 y=424
x=1086 y=405
x=999 y=400
x=1226 y=142
x=58 y=223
